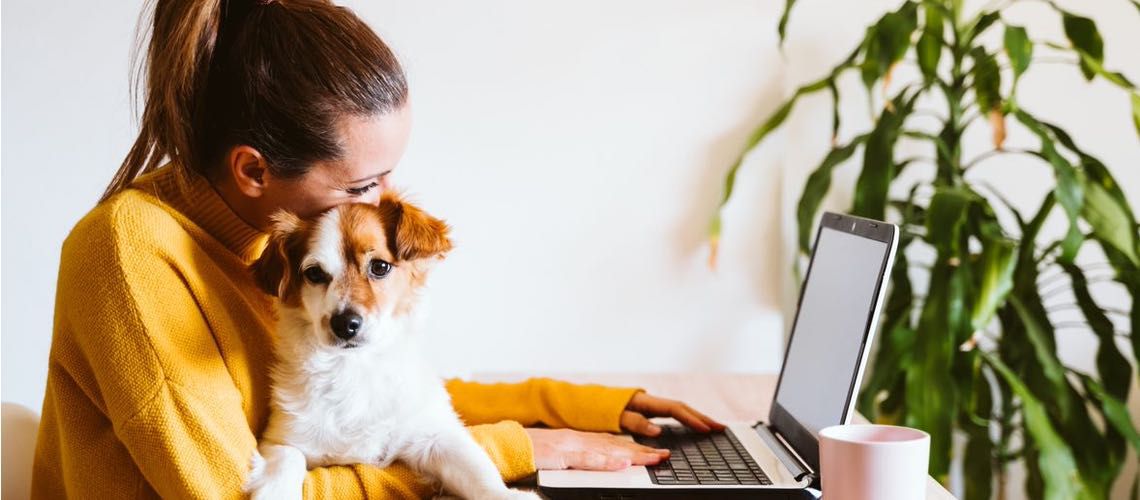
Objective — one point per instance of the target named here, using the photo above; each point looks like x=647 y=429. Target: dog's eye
x=378 y=268
x=316 y=275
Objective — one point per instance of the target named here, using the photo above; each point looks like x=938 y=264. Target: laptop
x=831 y=335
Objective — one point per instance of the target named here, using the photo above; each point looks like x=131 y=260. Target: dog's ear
x=272 y=271
x=412 y=233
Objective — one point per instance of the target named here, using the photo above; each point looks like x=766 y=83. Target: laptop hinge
x=784 y=452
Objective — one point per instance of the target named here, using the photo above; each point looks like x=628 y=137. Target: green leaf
x=879 y=167
x=773 y=121
x=780 y=29
x=1109 y=221
x=1070 y=183
x=942 y=320
x=1136 y=112
x=946 y=217
x=1106 y=208
x=887 y=42
x=1044 y=348
x=955 y=11
x=983 y=22
x=889 y=368
x=1128 y=275
x=1045 y=376
x=1054 y=457
x=987 y=79
x=1114 y=410
x=1082 y=33
x=834 y=90
x=1096 y=173
x=1019 y=49
x=893 y=353
x=1097 y=68
x=929 y=48
x=817 y=186
x=1111 y=365
x=998 y=263
x=1113 y=368
x=1029 y=231
x=978 y=461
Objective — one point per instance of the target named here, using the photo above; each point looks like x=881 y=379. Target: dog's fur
x=369 y=399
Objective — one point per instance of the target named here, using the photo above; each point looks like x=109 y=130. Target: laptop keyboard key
x=714 y=459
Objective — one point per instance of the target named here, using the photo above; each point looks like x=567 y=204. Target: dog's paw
x=263 y=484
x=274 y=490
x=256 y=477
x=518 y=495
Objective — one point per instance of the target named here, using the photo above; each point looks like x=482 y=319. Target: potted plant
x=975 y=352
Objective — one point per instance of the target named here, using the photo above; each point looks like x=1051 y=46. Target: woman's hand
x=635 y=418
x=569 y=449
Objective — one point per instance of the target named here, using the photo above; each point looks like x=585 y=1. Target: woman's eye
x=316 y=275
x=357 y=191
x=379 y=269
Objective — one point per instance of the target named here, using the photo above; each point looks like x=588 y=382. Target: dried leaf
x=997 y=124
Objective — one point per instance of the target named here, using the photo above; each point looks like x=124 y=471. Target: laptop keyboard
x=695 y=458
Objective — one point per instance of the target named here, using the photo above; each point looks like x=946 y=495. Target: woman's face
x=373 y=145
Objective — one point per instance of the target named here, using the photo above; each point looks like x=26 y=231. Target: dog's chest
x=366 y=417
x=336 y=440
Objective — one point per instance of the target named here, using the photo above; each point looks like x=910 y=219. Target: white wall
x=576 y=147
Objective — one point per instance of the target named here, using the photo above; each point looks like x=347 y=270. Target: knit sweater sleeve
x=148 y=364
x=552 y=403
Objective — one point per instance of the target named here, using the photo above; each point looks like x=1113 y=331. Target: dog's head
x=353 y=273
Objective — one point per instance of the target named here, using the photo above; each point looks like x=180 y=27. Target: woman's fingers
x=713 y=424
x=661 y=407
x=635 y=453
x=637 y=423
x=613 y=457
x=626 y=445
x=592 y=460
x=687 y=417
x=696 y=419
x=567 y=449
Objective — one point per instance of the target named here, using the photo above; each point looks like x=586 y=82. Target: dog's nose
x=346 y=324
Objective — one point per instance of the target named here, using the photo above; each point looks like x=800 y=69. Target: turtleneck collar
x=192 y=195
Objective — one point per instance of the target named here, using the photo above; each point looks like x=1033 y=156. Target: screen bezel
x=796 y=434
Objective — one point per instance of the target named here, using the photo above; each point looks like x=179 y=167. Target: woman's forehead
x=373 y=144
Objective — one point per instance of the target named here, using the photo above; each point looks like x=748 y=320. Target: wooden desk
x=724 y=396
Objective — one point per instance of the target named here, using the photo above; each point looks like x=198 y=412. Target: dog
x=349 y=383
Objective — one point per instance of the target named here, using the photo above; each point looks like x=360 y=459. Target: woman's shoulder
x=130 y=220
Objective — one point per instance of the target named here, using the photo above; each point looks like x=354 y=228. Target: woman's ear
x=412 y=233
x=273 y=270
x=248 y=169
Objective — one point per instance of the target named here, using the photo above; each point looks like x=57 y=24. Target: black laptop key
x=713 y=459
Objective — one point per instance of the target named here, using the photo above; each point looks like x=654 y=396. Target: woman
x=158 y=382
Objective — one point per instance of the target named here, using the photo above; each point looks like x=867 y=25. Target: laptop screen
x=838 y=302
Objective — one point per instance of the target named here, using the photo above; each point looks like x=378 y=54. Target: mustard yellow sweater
x=158 y=384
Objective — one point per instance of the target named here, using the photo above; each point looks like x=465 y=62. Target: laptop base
x=676 y=493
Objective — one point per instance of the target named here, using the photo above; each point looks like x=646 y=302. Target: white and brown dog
x=350 y=385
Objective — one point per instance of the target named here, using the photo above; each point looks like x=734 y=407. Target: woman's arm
x=557 y=404
x=542 y=401
x=567 y=406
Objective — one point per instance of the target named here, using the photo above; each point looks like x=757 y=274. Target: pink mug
x=879 y=462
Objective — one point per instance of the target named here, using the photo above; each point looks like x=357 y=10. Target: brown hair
x=274 y=75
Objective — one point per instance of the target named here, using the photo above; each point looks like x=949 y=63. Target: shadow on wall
x=19 y=442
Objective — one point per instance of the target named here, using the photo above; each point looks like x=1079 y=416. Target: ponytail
x=276 y=76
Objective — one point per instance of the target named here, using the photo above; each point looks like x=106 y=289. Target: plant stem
x=991 y=153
